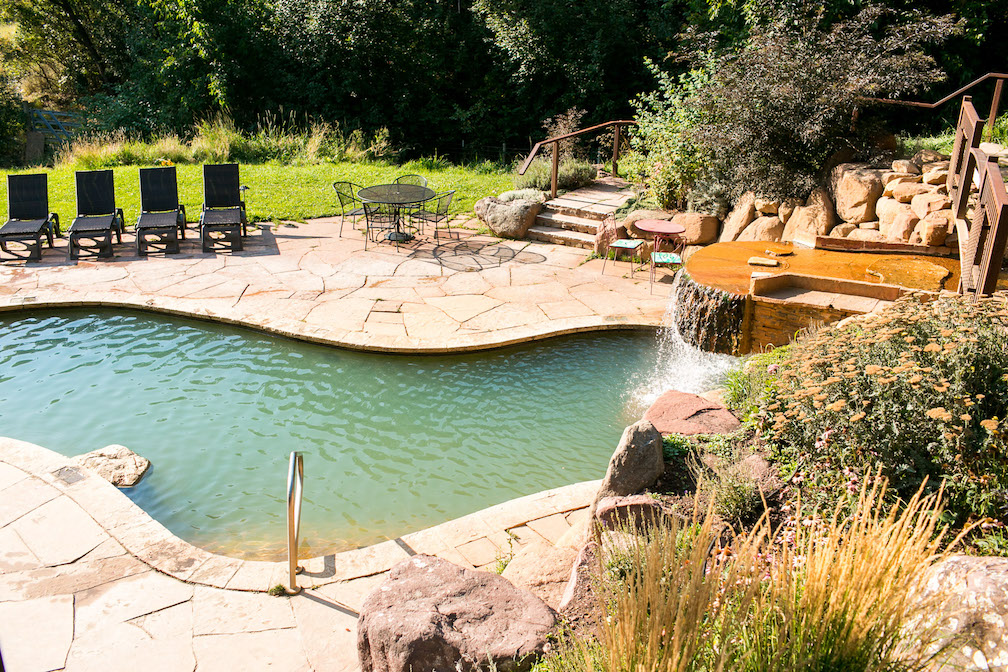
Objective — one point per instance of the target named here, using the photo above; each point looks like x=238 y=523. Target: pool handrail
x=295 y=488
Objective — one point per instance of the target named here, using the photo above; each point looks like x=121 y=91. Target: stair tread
x=562 y=233
x=567 y=218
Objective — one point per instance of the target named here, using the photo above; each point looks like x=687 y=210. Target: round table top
x=662 y=227
x=396 y=194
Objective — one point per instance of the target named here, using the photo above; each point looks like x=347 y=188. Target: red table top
x=662 y=227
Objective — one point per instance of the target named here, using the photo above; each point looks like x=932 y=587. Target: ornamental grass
x=918 y=392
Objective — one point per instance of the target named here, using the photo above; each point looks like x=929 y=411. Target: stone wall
x=710 y=319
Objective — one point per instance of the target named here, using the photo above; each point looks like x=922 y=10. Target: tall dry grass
x=837 y=595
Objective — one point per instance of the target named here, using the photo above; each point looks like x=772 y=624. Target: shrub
x=840 y=594
x=749 y=384
x=571 y=174
x=919 y=390
x=522 y=194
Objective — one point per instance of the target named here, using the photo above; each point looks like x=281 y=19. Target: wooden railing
x=54 y=125
x=555 y=141
x=998 y=87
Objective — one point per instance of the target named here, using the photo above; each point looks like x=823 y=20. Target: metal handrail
x=295 y=488
x=555 y=141
x=998 y=87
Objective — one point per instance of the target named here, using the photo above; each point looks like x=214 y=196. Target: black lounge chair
x=97 y=215
x=28 y=216
x=161 y=214
x=223 y=207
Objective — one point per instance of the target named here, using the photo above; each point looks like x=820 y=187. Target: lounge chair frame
x=97 y=216
x=28 y=217
x=223 y=209
x=161 y=214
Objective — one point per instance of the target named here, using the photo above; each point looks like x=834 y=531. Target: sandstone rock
x=905 y=191
x=932 y=230
x=891 y=185
x=636 y=464
x=787 y=207
x=816 y=218
x=701 y=229
x=928 y=156
x=769 y=229
x=922 y=204
x=118 y=465
x=891 y=176
x=715 y=396
x=739 y=218
x=580 y=605
x=935 y=165
x=677 y=412
x=842 y=230
x=633 y=513
x=631 y=222
x=576 y=536
x=905 y=166
x=605 y=233
x=887 y=208
x=430 y=614
x=542 y=569
x=766 y=207
x=936 y=176
x=507 y=220
x=869 y=235
x=869 y=226
x=901 y=228
x=973 y=598
x=855 y=188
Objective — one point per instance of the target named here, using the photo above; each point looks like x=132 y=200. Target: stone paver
x=89 y=582
x=464 y=293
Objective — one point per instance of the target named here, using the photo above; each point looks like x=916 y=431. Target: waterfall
x=678 y=364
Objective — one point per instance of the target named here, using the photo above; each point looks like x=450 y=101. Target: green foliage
x=676 y=448
x=919 y=390
x=571 y=174
x=11 y=123
x=750 y=383
x=993 y=542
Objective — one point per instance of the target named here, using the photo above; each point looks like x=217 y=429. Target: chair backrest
x=221 y=187
x=28 y=196
x=158 y=189
x=378 y=212
x=346 y=192
x=95 y=192
x=443 y=201
x=418 y=180
x=962 y=163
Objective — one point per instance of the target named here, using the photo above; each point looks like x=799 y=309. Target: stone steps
x=558 y=236
x=569 y=222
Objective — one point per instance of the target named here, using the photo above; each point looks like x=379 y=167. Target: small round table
x=398 y=196
x=663 y=230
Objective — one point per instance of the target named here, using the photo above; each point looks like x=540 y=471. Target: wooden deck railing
x=555 y=141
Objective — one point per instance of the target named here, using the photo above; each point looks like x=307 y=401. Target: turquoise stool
x=622 y=244
x=669 y=258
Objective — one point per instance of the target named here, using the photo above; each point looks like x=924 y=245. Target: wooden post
x=615 y=151
x=556 y=169
x=994 y=109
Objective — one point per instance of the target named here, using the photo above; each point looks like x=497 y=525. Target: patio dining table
x=399 y=196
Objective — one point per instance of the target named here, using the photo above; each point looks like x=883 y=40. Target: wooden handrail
x=999 y=76
x=555 y=141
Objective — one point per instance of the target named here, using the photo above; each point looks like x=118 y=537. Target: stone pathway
x=89 y=582
x=304 y=281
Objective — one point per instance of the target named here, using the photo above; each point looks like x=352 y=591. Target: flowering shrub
x=919 y=391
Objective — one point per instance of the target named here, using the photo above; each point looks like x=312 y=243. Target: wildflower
x=939 y=413
x=990 y=425
x=837 y=406
x=932 y=347
x=857 y=417
x=772 y=369
x=873 y=369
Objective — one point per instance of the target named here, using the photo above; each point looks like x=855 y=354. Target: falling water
x=680 y=365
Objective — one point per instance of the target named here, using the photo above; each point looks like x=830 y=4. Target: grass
x=844 y=593
x=943 y=142
x=283 y=192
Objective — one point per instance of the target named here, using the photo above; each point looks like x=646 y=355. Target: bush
x=11 y=123
x=572 y=174
x=918 y=391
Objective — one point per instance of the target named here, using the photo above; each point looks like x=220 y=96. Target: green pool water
x=392 y=443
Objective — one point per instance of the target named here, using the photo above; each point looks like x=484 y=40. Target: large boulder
x=901 y=228
x=768 y=229
x=974 y=610
x=580 y=605
x=905 y=191
x=855 y=188
x=633 y=513
x=701 y=229
x=542 y=569
x=933 y=229
x=636 y=464
x=888 y=209
x=815 y=218
x=905 y=166
x=118 y=465
x=507 y=220
x=867 y=235
x=923 y=204
x=739 y=218
x=432 y=615
x=926 y=156
x=677 y=412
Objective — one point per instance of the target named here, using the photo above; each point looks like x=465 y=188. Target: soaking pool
x=392 y=443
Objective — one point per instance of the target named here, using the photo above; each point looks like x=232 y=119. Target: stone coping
x=304 y=281
x=472 y=540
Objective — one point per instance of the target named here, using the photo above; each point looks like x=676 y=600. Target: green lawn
x=279 y=191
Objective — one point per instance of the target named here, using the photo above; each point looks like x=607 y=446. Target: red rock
x=683 y=413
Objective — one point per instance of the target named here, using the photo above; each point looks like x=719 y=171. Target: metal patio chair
x=97 y=215
x=379 y=217
x=223 y=208
x=350 y=204
x=437 y=215
x=161 y=214
x=617 y=244
x=28 y=216
x=418 y=180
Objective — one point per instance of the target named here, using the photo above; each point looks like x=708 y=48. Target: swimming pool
x=392 y=443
